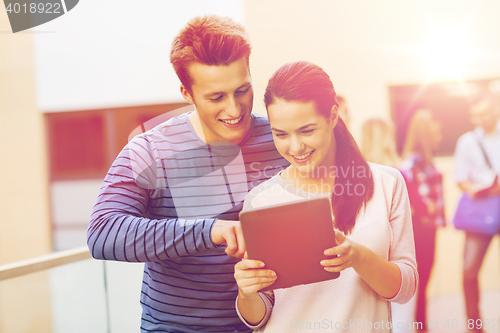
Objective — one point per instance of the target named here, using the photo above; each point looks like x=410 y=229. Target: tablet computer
x=290 y=239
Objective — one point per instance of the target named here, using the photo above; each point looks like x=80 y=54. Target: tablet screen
x=290 y=239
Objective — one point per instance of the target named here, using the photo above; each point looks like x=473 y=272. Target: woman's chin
x=304 y=170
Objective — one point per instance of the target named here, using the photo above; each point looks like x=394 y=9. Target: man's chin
x=236 y=135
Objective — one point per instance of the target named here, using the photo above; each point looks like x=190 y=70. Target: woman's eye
x=308 y=131
x=279 y=135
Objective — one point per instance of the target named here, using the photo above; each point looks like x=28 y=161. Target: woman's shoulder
x=380 y=170
x=386 y=177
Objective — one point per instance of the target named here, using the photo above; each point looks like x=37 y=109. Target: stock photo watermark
x=449 y=324
x=25 y=15
x=228 y=161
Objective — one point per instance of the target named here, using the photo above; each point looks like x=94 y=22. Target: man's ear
x=334 y=116
x=187 y=96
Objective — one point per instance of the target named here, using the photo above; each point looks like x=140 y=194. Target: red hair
x=304 y=82
x=210 y=40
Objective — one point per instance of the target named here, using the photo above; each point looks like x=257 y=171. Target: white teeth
x=301 y=157
x=232 y=121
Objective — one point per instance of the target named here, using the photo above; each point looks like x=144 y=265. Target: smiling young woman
x=375 y=251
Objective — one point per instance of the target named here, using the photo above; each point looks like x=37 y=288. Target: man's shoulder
x=172 y=133
x=170 y=130
x=174 y=124
x=260 y=125
x=260 y=136
x=467 y=139
x=468 y=135
x=260 y=119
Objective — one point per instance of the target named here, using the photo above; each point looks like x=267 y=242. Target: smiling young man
x=223 y=97
x=171 y=198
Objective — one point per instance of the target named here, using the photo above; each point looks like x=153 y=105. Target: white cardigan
x=346 y=303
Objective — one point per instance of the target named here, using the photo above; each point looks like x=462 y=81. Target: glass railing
x=68 y=292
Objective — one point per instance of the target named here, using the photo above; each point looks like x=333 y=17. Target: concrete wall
x=119 y=56
x=24 y=205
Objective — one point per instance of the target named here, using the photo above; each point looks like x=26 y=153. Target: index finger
x=250 y=264
x=241 y=241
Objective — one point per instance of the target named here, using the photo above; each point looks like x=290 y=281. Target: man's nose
x=233 y=108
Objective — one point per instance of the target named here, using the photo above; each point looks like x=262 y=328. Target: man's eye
x=241 y=92
x=216 y=99
x=279 y=135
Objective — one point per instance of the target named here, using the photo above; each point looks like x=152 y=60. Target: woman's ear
x=187 y=96
x=334 y=116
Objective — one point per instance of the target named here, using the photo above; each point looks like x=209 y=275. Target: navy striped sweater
x=157 y=205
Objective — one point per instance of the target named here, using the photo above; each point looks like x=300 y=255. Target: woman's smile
x=302 y=135
x=304 y=157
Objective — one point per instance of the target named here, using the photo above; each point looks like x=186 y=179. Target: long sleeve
x=402 y=250
x=384 y=226
x=158 y=204
x=123 y=226
x=462 y=159
x=268 y=299
x=470 y=163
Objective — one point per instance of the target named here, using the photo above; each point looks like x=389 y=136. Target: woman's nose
x=296 y=146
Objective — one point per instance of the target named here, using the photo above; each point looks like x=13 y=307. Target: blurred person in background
x=343 y=111
x=424 y=183
x=475 y=177
x=378 y=144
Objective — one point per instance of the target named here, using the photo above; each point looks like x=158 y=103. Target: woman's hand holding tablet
x=289 y=239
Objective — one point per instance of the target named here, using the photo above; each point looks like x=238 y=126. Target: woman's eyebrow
x=306 y=126
x=299 y=129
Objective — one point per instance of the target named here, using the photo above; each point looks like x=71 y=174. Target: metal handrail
x=41 y=263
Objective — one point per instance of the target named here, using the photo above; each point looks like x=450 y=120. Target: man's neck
x=195 y=122
x=490 y=131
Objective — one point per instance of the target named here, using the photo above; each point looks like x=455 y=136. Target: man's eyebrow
x=215 y=93
x=245 y=85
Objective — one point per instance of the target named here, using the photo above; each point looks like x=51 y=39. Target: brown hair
x=304 y=82
x=210 y=40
